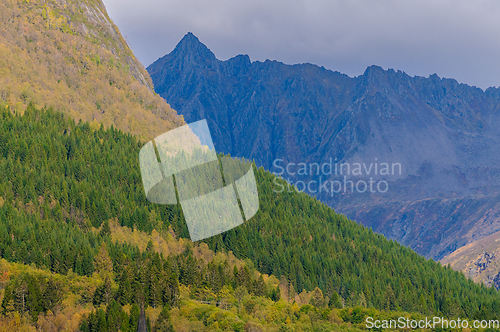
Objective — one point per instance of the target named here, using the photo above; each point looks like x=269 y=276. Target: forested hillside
x=70 y=55
x=62 y=184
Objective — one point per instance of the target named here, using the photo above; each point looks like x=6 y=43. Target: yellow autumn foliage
x=69 y=55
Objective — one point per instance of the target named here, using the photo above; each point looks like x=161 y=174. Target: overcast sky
x=452 y=38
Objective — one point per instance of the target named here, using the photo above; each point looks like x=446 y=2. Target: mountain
x=479 y=260
x=430 y=146
x=81 y=247
x=69 y=55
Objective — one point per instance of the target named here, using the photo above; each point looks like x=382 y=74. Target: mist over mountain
x=436 y=140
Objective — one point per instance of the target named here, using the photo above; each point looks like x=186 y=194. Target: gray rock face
x=437 y=140
x=496 y=281
x=481 y=264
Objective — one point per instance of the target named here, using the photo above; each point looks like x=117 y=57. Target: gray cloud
x=453 y=38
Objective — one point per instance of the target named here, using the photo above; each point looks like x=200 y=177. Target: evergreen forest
x=68 y=190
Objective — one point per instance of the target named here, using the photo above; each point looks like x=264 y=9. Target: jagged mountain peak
x=242 y=59
x=376 y=73
x=373 y=70
x=189 y=39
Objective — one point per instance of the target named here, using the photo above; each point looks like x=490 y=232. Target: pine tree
x=317 y=298
x=164 y=322
x=275 y=294
x=260 y=286
x=102 y=262
x=51 y=295
x=105 y=229
x=335 y=301
x=102 y=293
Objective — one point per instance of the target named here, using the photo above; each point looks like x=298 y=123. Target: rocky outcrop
x=496 y=281
x=480 y=264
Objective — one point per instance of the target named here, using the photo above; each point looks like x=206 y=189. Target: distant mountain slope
x=443 y=135
x=70 y=55
x=479 y=260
